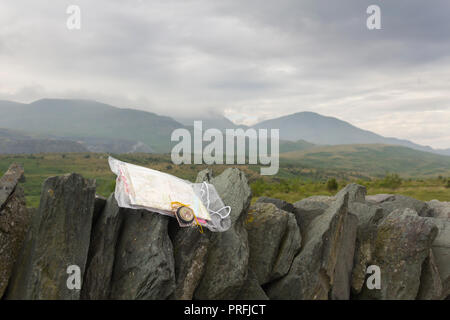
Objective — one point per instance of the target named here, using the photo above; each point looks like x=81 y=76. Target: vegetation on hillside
x=294 y=181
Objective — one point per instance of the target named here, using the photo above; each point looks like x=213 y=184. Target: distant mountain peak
x=325 y=130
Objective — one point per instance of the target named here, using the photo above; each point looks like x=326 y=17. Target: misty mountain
x=89 y=119
x=324 y=130
x=15 y=142
x=101 y=127
x=219 y=122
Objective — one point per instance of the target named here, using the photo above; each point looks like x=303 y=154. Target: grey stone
x=190 y=252
x=308 y=209
x=227 y=263
x=402 y=244
x=60 y=239
x=144 y=263
x=251 y=290
x=274 y=240
x=440 y=209
x=402 y=202
x=342 y=278
x=19 y=286
x=368 y=218
x=14 y=224
x=380 y=198
x=9 y=181
x=280 y=204
x=430 y=280
x=356 y=193
x=99 y=267
x=441 y=253
x=316 y=272
x=100 y=203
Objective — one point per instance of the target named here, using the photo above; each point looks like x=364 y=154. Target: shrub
x=332 y=184
x=392 y=181
x=448 y=184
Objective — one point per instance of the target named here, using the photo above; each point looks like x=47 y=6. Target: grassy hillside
x=372 y=160
x=296 y=179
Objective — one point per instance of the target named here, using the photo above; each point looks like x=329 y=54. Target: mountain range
x=101 y=127
x=323 y=130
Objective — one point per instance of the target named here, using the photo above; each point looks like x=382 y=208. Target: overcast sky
x=248 y=60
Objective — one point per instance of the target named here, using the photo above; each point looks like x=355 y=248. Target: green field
x=297 y=178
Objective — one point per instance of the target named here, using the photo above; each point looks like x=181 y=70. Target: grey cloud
x=250 y=60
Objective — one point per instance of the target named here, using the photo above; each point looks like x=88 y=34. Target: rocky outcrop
x=440 y=209
x=308 y=209
x=99 y=267
x=191 y=253
x=274 y=240
x=430 y=280
x=401 y=202
x=441 y=253
x=251 y=290
x=61 y=238
x=320 y=271
x=226 y=267
x=379 y=198
x=402 y=244
x=280 y=204
x=131 y=256
x=318 y=248
x=368 y=218
x=14 y=222
x=144 y=263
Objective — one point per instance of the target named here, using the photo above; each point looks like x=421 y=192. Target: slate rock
x=60 y=238
x=19 y=286
x=280 y=204
x=274 y=240
x=356 y=193
x=190 y=253
x=100 y=203
x=251 y=290
x=402 y=244
x=144 y=263
x=308 y=209
x=430 y=280
x=403 y=202
x=380 y=198
x=317 y=272
x=14 y=223
x=9 y=181
x=100 y=263
x=440 y=209
x=227 y=263
x=369 y=215
x=441 y=253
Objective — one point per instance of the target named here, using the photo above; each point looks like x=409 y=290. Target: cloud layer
x=249 y=60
